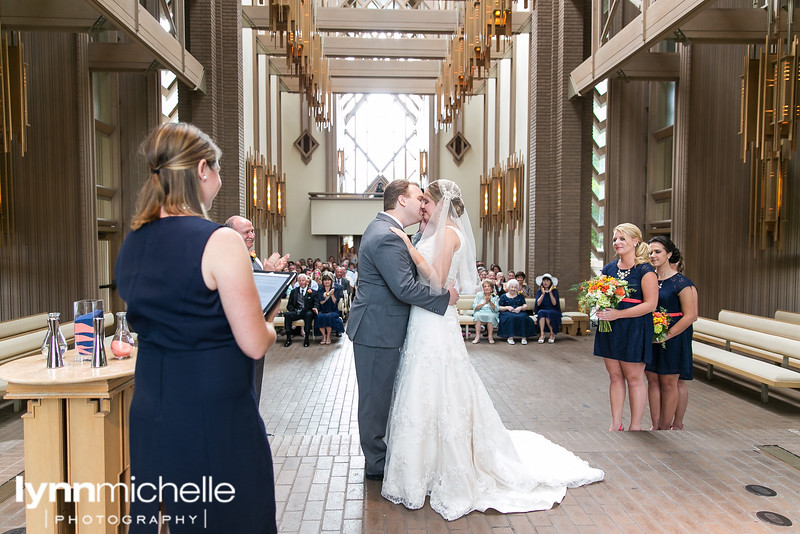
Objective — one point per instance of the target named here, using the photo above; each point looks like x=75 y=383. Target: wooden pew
x=787 y=316
x=777 y=349
x=760 y=324
x=570 y=324
x=732 y=337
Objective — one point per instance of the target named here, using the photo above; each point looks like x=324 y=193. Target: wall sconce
x=266 y=191
x=485 y=217
x=514 y=179
x=340 y=162
x=423 y=163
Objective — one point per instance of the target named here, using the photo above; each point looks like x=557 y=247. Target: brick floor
x=690 y=481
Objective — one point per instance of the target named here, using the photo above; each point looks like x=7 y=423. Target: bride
x=444 y=437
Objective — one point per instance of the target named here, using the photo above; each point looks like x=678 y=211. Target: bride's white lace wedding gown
x=445 y=438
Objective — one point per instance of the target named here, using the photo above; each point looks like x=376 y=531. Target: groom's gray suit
x=377 y=323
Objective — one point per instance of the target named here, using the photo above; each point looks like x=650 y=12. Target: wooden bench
x=777 y=349
x=767 y=374
x=23 y=325
x=570 y=324
x=760 y=324
x=787 y=316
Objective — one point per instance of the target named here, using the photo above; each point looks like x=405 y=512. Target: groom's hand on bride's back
x=453 y=295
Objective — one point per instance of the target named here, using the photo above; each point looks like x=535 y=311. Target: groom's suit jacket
x=387 y=288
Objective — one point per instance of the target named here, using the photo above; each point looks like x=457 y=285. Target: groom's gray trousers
x=376 y=368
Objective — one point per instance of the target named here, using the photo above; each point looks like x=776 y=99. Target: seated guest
x=329 y=318
x=303 y=304
x=310 y=276
x=548 y=307
x=340 y=279
x=318 y=279
x=524 y=289
x=499 y=283
x=514 y=322
x=485 y=311
x=352 y=273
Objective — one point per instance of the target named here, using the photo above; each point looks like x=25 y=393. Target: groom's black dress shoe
x=373 y=477
x=305 y=342
x=288 y=342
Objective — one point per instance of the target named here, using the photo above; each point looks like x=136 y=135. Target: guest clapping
x=328 y=318
x=629 y=346
x=485 y=311
x=303 y=304
x=548 y=307
x=499 y=283
x=674 y=359
x=514 y=322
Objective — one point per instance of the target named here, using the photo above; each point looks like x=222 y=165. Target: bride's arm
x=437 y=274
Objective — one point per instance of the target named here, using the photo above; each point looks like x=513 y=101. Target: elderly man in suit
x=303 y=304
x=245 y=228
x=387 y=289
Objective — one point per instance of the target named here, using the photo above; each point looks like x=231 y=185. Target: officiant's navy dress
x=194 y=417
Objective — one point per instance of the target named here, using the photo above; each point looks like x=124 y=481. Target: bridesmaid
x=670 y=365
x=629 y=346
x=676 y=296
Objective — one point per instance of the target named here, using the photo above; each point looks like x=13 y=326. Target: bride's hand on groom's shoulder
x=401 y=233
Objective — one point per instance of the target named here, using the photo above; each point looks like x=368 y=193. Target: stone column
x=559 y=217
x=214 y=37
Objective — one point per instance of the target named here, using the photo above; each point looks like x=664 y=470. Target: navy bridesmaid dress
x=194 y=417
x=630 y=339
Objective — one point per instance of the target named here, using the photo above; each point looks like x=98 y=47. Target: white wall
x=467 y=175
x=300 y=180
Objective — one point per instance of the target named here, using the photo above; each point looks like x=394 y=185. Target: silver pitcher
x=55 y=358
x=99 y=348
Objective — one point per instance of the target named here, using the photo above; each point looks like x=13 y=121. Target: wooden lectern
x=76 y=432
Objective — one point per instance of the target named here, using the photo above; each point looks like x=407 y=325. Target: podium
x=75 y=435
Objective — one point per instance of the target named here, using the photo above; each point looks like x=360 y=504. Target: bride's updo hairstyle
x=641 y=249
x=172 y=152
x=434 y=190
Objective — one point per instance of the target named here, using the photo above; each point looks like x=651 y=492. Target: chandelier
x=482 y=24
x=293 y=24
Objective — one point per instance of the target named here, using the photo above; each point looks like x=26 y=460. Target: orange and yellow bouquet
x=601 y=292
x=660 y=327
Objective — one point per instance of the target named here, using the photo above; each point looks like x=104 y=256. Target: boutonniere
x=310 y=291
x=253 y=254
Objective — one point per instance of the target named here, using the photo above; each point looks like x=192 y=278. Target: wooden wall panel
x=728 y=273
x=41 y=268
x=626 y=157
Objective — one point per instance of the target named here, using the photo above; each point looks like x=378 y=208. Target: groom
x=387 y=289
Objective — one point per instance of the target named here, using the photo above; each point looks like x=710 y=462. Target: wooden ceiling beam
x=52 y=15
x=641 y=34
x=339 y=19
x=652 y=66
x=367 y=47
x=365 y=68
x=735 y=26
